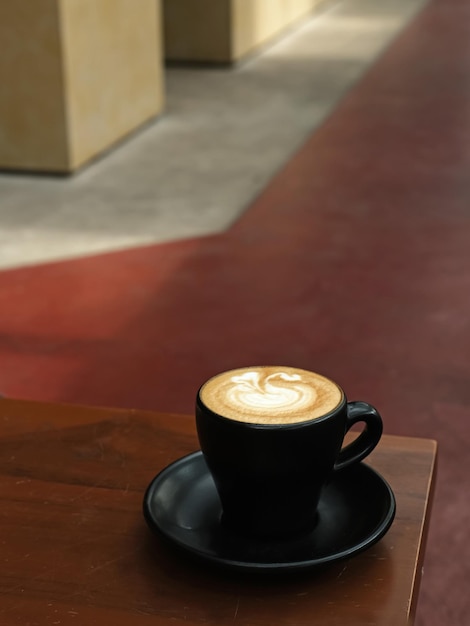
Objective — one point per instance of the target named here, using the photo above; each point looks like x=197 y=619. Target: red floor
x=354 y=262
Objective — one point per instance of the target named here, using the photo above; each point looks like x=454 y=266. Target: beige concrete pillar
x=75 y=77
x=224 y=31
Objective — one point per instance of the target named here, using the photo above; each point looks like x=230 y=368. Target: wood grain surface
x=75 y=548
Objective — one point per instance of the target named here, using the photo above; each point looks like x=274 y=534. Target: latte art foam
x=271 y=395
x=259 y=392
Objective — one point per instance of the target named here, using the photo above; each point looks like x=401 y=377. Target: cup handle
x=367 y=440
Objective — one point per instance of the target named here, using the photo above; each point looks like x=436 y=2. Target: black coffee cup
x=271 y=437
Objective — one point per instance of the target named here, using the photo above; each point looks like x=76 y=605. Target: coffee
x=271 y=438
x=271 y=395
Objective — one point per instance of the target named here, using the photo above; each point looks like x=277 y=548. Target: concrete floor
x=224 y=134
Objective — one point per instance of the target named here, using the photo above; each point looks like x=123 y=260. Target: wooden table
x=75 y=549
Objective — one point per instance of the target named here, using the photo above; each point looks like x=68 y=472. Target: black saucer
x=356 y=509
